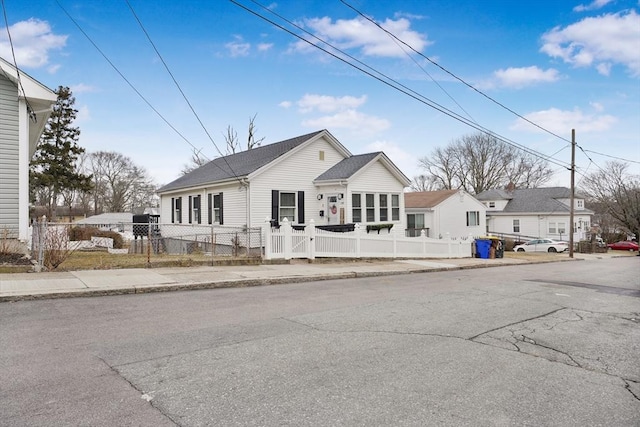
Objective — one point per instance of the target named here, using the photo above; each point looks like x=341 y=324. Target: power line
x=184 y=96
x=395 y=85
x=32 y=114
x=612 y=157
x=124 y=78
x=453 y=75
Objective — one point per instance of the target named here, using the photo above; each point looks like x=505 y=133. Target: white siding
x=9 y=157
x=233 y=199
x=376 y=179
x=293 y=174
x=451 y=217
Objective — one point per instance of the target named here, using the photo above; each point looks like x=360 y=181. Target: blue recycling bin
x=483 y=248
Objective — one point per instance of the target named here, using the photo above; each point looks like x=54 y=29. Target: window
x=473 y=218
x=580 y=203
x=176 y=210
x=287 y=206
x=415 y=224
x=356 y=208
x=321 y=155
x=395 y=207
x=492 y=204
x=562 y=228
x=516 y=225
x=215 y=208
x=194 y=213
x=552 y=228
x=371 y=210
x=384 y=210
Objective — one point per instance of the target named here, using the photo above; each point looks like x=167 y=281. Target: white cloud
x=361 y=34
x=327 y=104
x=32 y=41
x=595 y=4
x=350 y=119
x=561 y=122
x=285 y=104
x=598 y=41
x=81 y=88
x=520 y=77
x=405 y=161
x=263 y=47
x=83 y=115
x=238 y=47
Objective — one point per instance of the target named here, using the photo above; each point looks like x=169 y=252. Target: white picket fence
x=287 y=243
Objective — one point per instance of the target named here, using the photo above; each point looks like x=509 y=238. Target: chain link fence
x=52 y=243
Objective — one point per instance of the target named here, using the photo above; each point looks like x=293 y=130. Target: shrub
x=86 y=233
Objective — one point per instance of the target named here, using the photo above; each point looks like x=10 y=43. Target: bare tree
x=617 y=192
x=231 y=138
x=424 y=183
x=197 y=159
x=480 y=162
x=122 y=185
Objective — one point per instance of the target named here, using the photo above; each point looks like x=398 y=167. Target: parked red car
x=623 y=245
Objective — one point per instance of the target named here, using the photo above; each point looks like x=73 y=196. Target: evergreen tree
x=53 y=167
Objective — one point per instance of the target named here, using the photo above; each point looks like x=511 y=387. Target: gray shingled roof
x=494 y=194
x=531 y=199
x=345 y=168
x=236 y=165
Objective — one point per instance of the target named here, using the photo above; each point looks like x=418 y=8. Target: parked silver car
x=542 y=245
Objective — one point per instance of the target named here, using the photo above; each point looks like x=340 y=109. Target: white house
x=455 y=212
x=25 y=106
x=308 y=177
x=536 y=213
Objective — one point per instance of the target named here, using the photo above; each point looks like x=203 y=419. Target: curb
x=245 y=283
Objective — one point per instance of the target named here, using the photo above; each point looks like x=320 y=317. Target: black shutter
x=221 y=212
x=275 y=207
x=210 y=207
x=300 y=207
x=190 y=207
x=173 y=210
x=179 y=201
x=199 y=209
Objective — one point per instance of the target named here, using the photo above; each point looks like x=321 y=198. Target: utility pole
x=573 y=189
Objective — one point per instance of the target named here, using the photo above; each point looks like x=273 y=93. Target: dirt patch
x=14 y=259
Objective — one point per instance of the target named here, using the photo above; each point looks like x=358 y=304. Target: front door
x=335 y=211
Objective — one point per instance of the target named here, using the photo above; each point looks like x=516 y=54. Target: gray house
x=25 y=106
x=536 y=213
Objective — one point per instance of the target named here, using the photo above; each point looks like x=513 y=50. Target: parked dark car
x=623 y=245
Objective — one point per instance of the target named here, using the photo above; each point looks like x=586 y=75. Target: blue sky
x=560 y=64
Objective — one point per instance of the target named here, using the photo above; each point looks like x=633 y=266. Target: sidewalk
x=25 y=286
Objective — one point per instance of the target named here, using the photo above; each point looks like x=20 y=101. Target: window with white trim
x=473 y=218
x=516 y=225
x=287 y=206
x=395 y=207
x=371 y=210
x=356 y=207
x=384 y=209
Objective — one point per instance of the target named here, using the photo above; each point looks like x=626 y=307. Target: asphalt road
x=536 y=345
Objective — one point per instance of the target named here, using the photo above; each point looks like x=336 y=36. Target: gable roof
x=39 y=98
x=352 y=165
x=237 y=165
x=346 y=168
x=426 y=199
x=526 y=200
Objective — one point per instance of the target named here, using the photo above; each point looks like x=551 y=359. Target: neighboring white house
x=455 y=212
x=25 y=106
x=536 y=213
x=311 y=176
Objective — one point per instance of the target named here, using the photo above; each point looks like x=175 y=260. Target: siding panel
x=9 y=151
